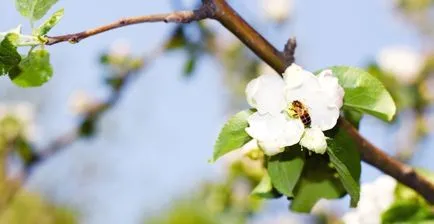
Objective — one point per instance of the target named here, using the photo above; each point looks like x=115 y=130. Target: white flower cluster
x=295 y=109
x=375 y=198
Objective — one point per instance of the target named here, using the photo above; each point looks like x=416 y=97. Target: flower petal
x=314 y=140
x=324 y=108
x=274 y=132
x=300 y=84
x=267 y=94
x=322 y=95
x=330 y=84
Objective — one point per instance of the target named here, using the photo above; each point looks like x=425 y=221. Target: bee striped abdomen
x=305 y=118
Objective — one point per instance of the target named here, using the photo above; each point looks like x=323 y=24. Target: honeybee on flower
x=294 y=109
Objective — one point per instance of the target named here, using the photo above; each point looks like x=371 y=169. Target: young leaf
x=317 y=181
x=265 y=189
x=345 y=158
x=363 y=92
x=34 y=9
x=189 y=66
x=45 y=27
x=285 y=169
x=34 y=70
x=9 y=57
x=233 y=134
x=177 y=39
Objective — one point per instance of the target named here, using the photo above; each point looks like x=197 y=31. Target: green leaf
x=407 y=212
x=34 y=70
x=363 y=92
x=34 y=9
x=351 y=185
x=177 y=39
x=318 y=181
x=265 y=189
x=345 y=158
x=285 y=169
x=233 y=134
x=45 y=27
x=9 y=56
x=189 y=66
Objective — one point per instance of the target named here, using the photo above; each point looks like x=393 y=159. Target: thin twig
x=174 y=17
x=370 y=154
x=289 y=51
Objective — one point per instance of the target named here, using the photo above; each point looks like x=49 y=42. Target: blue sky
x=155 y=144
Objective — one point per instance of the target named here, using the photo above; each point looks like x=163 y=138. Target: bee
x=301 y=112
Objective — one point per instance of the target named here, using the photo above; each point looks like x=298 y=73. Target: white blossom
x=403 y=62
x=375 y=198
x=276 y=125
x=120 y=48
x=322 y=207
x=81 y=102
x=23 y=112
x=277 y=10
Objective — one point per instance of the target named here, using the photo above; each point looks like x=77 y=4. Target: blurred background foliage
x=407 y=73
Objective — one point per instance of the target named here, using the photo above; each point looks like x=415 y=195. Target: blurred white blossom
x=81 y=102
x=322 y=207
x=277 y=10
x=375 y=198
x=120 y=48
x=242 y=155
x=403 y=62
x=24 y=113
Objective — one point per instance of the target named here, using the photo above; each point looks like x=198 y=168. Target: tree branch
x=370 y=154
x=400 y=171
x=174 y=17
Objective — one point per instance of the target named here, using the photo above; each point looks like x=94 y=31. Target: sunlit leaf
x=45 y=27
x=233 y=134
x=34 y=70
x=365 y=93
x=34 y=9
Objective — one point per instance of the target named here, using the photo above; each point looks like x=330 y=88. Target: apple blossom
x=375 y=198
x=403 y=62
x=276 y=124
